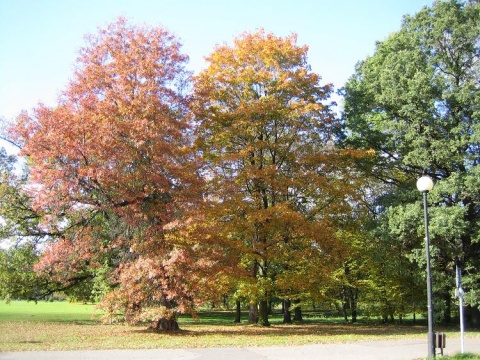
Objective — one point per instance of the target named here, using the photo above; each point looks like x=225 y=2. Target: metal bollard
x=440 y=341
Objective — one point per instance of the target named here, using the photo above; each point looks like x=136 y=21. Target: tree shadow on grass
x=323 y=329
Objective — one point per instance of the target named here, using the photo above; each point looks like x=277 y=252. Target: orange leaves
x=66 y=259
x=261 y=84
x=119 y=128
x=111 y=165
x=262 y=122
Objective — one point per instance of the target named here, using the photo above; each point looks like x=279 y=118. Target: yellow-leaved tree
x=277 y=186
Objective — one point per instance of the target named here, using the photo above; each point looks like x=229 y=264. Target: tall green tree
x=275 y=180
x=416 y=103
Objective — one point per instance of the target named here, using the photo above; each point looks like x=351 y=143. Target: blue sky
x=39 y=39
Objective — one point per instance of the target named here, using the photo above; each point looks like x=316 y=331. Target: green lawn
x=71 y=326
x=42 y=311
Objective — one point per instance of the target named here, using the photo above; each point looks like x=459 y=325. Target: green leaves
x=17 y=277
x=415 y=102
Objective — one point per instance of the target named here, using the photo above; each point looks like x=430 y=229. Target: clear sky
x=39 y=39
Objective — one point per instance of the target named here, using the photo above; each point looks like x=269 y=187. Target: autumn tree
x=415 y=102
x=265 y=132
x=112 y=171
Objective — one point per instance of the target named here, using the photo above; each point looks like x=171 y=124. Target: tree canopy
x=111 y=170
x=265 y=131
x=416 y=103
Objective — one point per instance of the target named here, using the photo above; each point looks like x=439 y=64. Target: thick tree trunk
x=164 y=325
x=237 y=312
x=167 y=323
x=298 y=312
x=287 y=314
x=354 y=315
x=253 y=313
x=263 y=313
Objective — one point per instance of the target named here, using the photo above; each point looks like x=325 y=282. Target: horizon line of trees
x=155 y=191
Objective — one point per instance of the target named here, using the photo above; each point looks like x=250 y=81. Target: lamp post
x=424 y=185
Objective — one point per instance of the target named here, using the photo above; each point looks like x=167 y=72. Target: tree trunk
x=344 y=310
x=345 y=302
x=392 y=315
x=448 y=309
x=354 y=315
x=354 y=304
x=263 y=313
x=167 y=323
x=297 y=312
x=253 y=313
x=237 y=312
x=164 y=325
x=472 y=318
x=287 y=314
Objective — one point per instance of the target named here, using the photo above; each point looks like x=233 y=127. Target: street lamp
x=424 y=185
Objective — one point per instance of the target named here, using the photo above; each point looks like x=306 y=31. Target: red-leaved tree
x=113 y=174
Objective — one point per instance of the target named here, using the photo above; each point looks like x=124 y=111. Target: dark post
x=431 y=339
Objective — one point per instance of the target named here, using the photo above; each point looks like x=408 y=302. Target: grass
x=69 y=326
x=43 y=311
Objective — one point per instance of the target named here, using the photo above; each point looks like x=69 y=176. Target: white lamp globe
x=425 y=183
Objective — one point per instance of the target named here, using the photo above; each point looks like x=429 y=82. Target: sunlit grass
x=64 y=326
x=58 y=311
x=466 y=356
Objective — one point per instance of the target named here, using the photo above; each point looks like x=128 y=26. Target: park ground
x=62 y=330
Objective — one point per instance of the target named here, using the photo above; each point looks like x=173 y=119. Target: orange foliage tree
x=113 y=174
x=277 y=185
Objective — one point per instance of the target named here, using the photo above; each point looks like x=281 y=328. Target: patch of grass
x=58 y=311
x=465 y=356
x=65 y=326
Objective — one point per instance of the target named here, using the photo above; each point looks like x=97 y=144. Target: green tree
x=416 y=103
x=19 y=234
x=20 y=222
x=17 y=277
